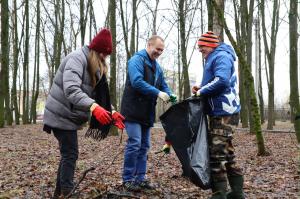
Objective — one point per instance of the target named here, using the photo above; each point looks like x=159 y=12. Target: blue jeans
x=68 y=147
x=135 y=156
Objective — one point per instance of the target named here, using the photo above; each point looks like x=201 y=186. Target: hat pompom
x=102 y=42
x=209 y=39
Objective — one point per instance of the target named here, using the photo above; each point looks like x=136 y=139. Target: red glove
x=102 y=115
x=118 y=120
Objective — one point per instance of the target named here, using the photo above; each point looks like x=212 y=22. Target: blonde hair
x=94 y=63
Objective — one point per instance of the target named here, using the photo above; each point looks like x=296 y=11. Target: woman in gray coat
x=79 y=88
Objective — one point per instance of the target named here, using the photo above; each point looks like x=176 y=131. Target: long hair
x=95 y=63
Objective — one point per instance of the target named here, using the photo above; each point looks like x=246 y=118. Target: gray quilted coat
x=69 y=99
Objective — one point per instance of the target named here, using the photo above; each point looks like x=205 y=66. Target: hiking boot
x=219 y=190
x=146 y=185
x=66 y=191
x=56 y=193
x=185 y=175
x=131 y=186
x=236 y=183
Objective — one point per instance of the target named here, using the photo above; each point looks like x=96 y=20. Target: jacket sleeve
x=222 y=70
x=72 y=80
x=164 y=86
x=136 y=76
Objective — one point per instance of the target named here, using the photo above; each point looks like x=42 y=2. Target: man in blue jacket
x=144 y=83
x=219 y=89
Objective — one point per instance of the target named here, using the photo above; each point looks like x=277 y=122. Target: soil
x=29 y=159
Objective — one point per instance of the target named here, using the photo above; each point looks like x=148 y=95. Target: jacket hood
x=225 y=47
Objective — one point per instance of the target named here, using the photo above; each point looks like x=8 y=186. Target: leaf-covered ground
x=29 y=159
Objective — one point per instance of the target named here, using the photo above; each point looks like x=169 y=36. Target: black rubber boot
x=66 y=191
x=219 y=190
x=56 y=193
x=236 y=183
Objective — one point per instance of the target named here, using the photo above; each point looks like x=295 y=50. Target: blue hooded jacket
x=142 y=88
x=219 y=82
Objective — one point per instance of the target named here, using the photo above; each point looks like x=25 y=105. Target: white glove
x=164 y=96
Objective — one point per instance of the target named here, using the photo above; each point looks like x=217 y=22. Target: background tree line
x=36 y=35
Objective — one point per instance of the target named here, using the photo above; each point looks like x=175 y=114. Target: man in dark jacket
x=145 y=82
x=219 y=89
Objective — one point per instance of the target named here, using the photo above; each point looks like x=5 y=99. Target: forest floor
x=29 y=160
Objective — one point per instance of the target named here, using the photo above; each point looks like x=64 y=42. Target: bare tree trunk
x=243 y=23
x=55 y=40
x=36 y=76
x=15 y=38
x=154 y=14
x=4 y=61
x=259 y=81
x=47 y=55
x=82 y=21
x=217 y=25
x=132 y=39
x=25 y=66
x=210 y=14
x=125 y=31
x=182 y=17
x=113 y=59
x=246 y=35
x=270 y=52
x=83 y=18
x=5 y=70
x=154 y=31
x=180 y=82
x=74 y=32
x=239 y=21
x=249 y=83
x=60 y=35
x=294 y=90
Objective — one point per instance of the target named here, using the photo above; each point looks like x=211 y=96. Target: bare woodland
x=36 y=35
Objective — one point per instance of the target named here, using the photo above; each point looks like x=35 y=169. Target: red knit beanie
x=209 y=39
x=102 y=42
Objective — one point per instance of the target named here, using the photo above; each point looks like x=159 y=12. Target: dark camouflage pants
x=221 y=149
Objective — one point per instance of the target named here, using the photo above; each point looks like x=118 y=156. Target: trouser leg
x=141 y=166
x=221 y=154
x=133 y=146
x=68 y=146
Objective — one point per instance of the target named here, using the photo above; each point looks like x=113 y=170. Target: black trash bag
x=185 y=125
